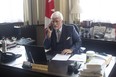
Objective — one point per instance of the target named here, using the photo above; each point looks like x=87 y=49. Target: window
x=11 y=11
x=98 y=10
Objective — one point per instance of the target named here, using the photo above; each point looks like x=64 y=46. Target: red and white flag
x=48 y=12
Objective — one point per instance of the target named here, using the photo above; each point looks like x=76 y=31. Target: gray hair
x=57 y=14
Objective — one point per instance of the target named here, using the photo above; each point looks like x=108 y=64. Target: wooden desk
x=55 y=68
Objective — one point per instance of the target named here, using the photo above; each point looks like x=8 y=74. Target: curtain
x=31 y=12
x=98 y=10
x=34 y=10
x=11 y=11
x=74 y=11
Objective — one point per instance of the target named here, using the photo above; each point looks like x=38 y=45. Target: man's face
x=57 y=23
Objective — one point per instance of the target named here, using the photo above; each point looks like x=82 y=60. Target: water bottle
x=4 y=45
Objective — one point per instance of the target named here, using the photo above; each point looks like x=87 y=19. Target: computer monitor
x=36 y=54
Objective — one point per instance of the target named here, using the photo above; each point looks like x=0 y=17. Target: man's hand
x=66 y=51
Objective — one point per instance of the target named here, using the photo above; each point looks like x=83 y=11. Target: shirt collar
x=60 y=29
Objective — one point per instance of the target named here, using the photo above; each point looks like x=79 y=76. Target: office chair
x=82 y=49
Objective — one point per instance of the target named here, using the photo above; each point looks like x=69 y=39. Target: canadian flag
x=48 y=12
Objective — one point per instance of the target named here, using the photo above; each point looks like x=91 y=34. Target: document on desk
x=78 y=57
x=61 y=57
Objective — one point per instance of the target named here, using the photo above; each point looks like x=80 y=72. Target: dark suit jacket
x=69 y=39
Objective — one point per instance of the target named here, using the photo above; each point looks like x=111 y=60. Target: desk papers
x=79 y=57
x=61 y=57
x=96 y=66
x=76 y=57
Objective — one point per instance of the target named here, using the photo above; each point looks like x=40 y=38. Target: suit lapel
x=54 y=36
x=63 y=34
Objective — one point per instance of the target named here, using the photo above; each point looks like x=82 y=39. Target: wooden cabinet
x=100 y=45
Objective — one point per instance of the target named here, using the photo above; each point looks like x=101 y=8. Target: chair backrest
x=82 y=49
x=76 y=27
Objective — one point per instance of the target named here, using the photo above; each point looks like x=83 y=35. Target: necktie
x=58 y=35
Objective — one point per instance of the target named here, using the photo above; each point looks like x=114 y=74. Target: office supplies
x=25 y=41
x=89 y=55
x=4 y=45
x=27 y=64
x=8 y=57
x=36 y=54
x=40 y=67
x=73 y=68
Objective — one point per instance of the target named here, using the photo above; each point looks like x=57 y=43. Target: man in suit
x=62 y=38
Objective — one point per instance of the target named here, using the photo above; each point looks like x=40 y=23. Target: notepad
x=61 y=57
x=78 y=57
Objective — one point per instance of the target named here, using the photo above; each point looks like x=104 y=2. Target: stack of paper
x=95 y=67
x=107 y=58
x=92 y=70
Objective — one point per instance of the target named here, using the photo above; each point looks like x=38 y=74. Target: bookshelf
x=98 y=31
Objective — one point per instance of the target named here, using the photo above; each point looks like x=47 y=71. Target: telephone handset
x=8 y=56
x=51 y=27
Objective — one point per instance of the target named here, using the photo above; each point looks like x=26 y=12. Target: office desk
x=55 y=68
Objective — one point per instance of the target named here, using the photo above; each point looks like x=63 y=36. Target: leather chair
x=82 y=49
